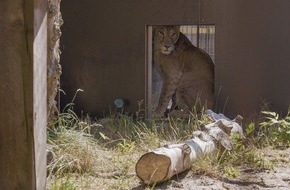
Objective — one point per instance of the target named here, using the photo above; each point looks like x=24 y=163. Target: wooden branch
x=163 y=163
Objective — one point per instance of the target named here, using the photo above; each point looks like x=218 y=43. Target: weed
x=64 y=184
x=232 y=172
x=277 y=129
x=207 y=165
x=229 y=163
x=245 y=155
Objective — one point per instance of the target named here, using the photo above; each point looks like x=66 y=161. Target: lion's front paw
x=158 y=113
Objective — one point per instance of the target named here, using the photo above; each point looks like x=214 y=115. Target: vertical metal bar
x=148 y=75
x=207 y=39
x=197 y=35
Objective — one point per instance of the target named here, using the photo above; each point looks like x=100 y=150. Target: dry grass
x=103 y=154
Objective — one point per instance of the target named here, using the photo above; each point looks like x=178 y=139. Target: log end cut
x=152 y=167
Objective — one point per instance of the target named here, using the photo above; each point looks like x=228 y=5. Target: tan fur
x=187 y=71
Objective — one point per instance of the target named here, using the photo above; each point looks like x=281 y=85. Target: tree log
x=163 y=163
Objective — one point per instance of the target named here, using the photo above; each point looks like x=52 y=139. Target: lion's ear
x=155 y=29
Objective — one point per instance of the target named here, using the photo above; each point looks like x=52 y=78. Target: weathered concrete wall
x=252 y=55
x=53 y=56
x=104 y=50
x=23 y=94
x=103 y=47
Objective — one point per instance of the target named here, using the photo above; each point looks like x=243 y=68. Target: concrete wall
x=103 y=49
x=23 y=94
x=252 y=54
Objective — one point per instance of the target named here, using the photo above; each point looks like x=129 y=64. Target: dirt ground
x=278 y=178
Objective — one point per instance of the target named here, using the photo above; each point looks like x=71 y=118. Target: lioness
x=187 y=71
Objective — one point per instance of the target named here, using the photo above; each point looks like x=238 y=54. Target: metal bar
x=148 y=75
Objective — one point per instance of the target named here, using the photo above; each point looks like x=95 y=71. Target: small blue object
x=119 y=103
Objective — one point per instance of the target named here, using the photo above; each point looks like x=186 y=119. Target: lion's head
x=165 y=37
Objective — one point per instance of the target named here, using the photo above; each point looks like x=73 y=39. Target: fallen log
x=163 y=163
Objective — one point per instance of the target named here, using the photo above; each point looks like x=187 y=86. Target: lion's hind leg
x=194 y=100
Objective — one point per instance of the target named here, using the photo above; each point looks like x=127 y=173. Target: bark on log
x=163 y=163
x=54 y=23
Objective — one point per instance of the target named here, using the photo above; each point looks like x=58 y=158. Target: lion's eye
x=161 y=33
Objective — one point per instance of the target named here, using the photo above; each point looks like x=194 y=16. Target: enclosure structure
x=104 y=49
x=23 y=70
